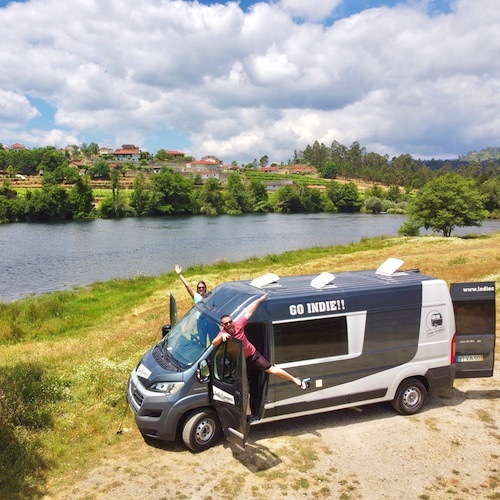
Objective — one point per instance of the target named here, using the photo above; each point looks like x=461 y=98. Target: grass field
x=66 y=356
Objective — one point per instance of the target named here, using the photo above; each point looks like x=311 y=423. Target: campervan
x=360 y=337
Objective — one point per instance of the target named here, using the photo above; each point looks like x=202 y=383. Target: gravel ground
x=450 y=450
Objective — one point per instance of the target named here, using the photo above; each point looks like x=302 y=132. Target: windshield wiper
x=171 y=358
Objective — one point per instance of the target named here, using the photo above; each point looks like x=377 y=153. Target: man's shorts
x=258 y=362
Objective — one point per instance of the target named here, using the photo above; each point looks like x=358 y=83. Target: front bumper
x=152 y=411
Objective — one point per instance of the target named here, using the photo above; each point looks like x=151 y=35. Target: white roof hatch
x=389 y=267
x=265 y=280
x=322 y=280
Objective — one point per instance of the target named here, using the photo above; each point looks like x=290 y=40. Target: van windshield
x=190 y=337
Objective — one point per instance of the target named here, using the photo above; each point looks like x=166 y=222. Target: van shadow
x=455 y=397
x=256 y=457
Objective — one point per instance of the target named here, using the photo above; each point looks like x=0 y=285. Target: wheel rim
x=411 y=397
x=204 y=431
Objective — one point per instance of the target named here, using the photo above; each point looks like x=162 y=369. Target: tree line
x=467 y=198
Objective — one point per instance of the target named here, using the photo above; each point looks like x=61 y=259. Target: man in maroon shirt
x=253 y=357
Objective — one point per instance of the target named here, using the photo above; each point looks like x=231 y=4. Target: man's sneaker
x=305 y=383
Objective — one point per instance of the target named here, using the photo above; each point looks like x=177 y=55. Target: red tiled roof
x=127 y=152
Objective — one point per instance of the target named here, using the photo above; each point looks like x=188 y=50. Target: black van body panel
x=439 y=379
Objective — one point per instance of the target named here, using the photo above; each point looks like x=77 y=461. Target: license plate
x=470 y=357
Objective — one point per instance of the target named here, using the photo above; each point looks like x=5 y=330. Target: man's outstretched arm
x=251 y=308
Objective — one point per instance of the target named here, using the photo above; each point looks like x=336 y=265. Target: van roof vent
x=389 y=267
x=322 y=280
x=265 y=280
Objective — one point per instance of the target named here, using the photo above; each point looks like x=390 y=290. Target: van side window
x=226 y=363
x=319 y=338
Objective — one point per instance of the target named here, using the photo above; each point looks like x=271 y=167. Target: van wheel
x=202 y=430
x=410 y=397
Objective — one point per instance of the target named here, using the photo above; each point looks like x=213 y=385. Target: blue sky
x=240 y=80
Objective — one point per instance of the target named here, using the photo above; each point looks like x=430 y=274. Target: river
x=43 y=257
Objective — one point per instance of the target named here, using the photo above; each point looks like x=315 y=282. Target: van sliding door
x=475 y=318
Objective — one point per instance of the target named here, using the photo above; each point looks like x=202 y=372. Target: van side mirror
x=203 y=371
x=165 y=330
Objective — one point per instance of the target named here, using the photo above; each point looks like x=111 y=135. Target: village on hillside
x=133 y=160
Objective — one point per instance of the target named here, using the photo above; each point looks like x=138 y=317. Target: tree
x=345 y=197
x=373 y=204
x=259 y=196
x=310 y=199
x=140 y=199
x=48 y=203
x=491 y=190
x=162 y=155
x=52 y=159
x=114 y=175
x=447 y=202
x=210 y=197
x=172 y=193
x=288 y=200
x=316 y=155
x=238 y=200
x=330 y=170
x=81 y=199
x=100 y=170
x=89 y=150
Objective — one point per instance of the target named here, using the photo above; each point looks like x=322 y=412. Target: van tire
x=409 y=397
x=202 y=430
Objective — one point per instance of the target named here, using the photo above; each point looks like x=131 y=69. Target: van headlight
x=166 y=387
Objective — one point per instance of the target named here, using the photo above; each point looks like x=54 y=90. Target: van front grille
x=138 y=397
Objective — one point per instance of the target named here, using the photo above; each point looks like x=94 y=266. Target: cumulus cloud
x=311 y=10
x=243 y=84
x=15 y=110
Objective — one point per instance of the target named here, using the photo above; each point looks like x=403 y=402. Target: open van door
x=173 y=311
x=228 y=390
x=475 y=321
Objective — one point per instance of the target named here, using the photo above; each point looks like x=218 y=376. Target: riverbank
x=67 y=431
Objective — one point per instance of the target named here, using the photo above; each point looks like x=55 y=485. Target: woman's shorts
x=258 y=362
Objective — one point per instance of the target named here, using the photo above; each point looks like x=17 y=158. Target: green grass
x=62 y=314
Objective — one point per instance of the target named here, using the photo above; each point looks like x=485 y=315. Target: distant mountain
x=483 y=155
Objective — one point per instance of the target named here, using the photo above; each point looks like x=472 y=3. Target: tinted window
x=226 y=363
x=475 y=316
x=318 y=338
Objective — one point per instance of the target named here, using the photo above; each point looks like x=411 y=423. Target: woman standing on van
x=253 y=357
x=201 y=287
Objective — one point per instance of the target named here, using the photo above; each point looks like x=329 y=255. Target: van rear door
x=475 y=319
x=228 y=390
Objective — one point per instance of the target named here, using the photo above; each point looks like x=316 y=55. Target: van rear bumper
x=441 y=378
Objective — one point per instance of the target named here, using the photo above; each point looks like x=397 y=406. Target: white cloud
x=311 y=10
x=15 y=110
x=241 y=85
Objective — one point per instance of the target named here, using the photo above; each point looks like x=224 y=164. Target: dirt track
x=450 y=450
